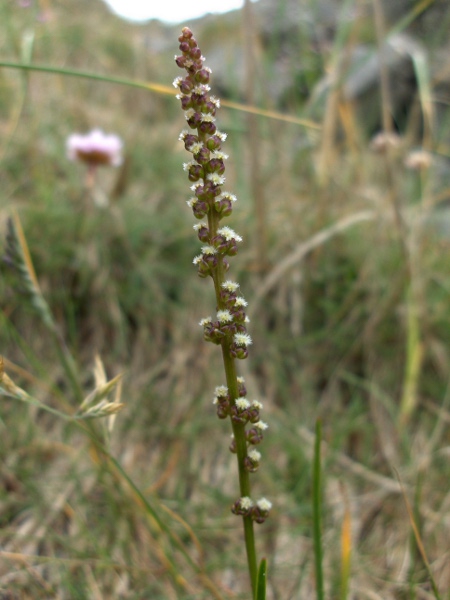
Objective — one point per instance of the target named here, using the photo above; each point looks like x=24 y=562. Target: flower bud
x=242 y=507
x=223 y=410
x=260 y=511
x=203 y=156
x=202 y=232
x=250 y=465
x=224 y=207
x=207 y=127
x=238 y=315
x=181 y=61
x=186 y=33
x=202 y=76
x=215 y=165
x=237 y=416
x=195 y=120
x=253 y=436
x=231 y=249
x=200 y=209
x=186 y=102
x=242 y=388
x=199 y=101
x=240 y=353
x=189 y=140
x=195 y=172
x=253 y=415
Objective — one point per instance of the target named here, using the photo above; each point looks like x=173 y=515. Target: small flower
x=205 y=321
x=245 y=503
x=215 y=178
x=195 y=147
x=95 y=148
x=261 y=425
x=219 y=155
x=240 y=302
x=243 y=506
x=224 y=316
x=226 y=196
x=383 y=141
x=257 y=404
x=242 y=339
x=251 y=461
x=209 y=250
x=201 y=89
x=230 y=286
x=260 y=511
x=264 y=504
x=221 y=391
x=229 y=234
x=254 y=455
x=418 y=160
x=242 y=403
x=191 y=163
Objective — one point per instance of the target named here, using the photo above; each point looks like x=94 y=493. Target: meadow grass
x=349 y=315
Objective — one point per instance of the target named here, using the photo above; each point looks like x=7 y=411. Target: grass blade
x=419 y=542
x=260 y=593
x=346 y=553
x=317 y=512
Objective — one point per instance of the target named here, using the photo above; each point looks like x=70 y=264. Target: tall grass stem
x=317 y=512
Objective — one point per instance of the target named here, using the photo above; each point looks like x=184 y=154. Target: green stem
x=238 y=429
x=156 y=87
x=68 y=364
x=317 y=512
x=241 y=453
x=86 y=75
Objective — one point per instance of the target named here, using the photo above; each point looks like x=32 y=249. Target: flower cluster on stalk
x=210 y=203
x=206 y=172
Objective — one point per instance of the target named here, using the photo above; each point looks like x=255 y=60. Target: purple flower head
x=95 y=148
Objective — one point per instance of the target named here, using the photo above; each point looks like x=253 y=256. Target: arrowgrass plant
x=228 y=329
x=341 y=344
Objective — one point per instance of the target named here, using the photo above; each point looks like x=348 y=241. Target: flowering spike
x=228 y=328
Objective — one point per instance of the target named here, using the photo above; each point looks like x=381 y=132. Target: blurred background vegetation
x=343 y=187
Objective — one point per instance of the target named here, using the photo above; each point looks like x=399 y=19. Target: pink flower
x=95 y=148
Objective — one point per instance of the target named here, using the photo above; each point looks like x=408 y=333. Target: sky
x=170 y=11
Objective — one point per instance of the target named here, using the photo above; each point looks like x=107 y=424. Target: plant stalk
x=238 y=429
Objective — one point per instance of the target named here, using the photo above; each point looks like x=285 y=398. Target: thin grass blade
x=260 y=593
x=317 y=512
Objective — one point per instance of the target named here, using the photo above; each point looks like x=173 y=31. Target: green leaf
x=260 y=592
